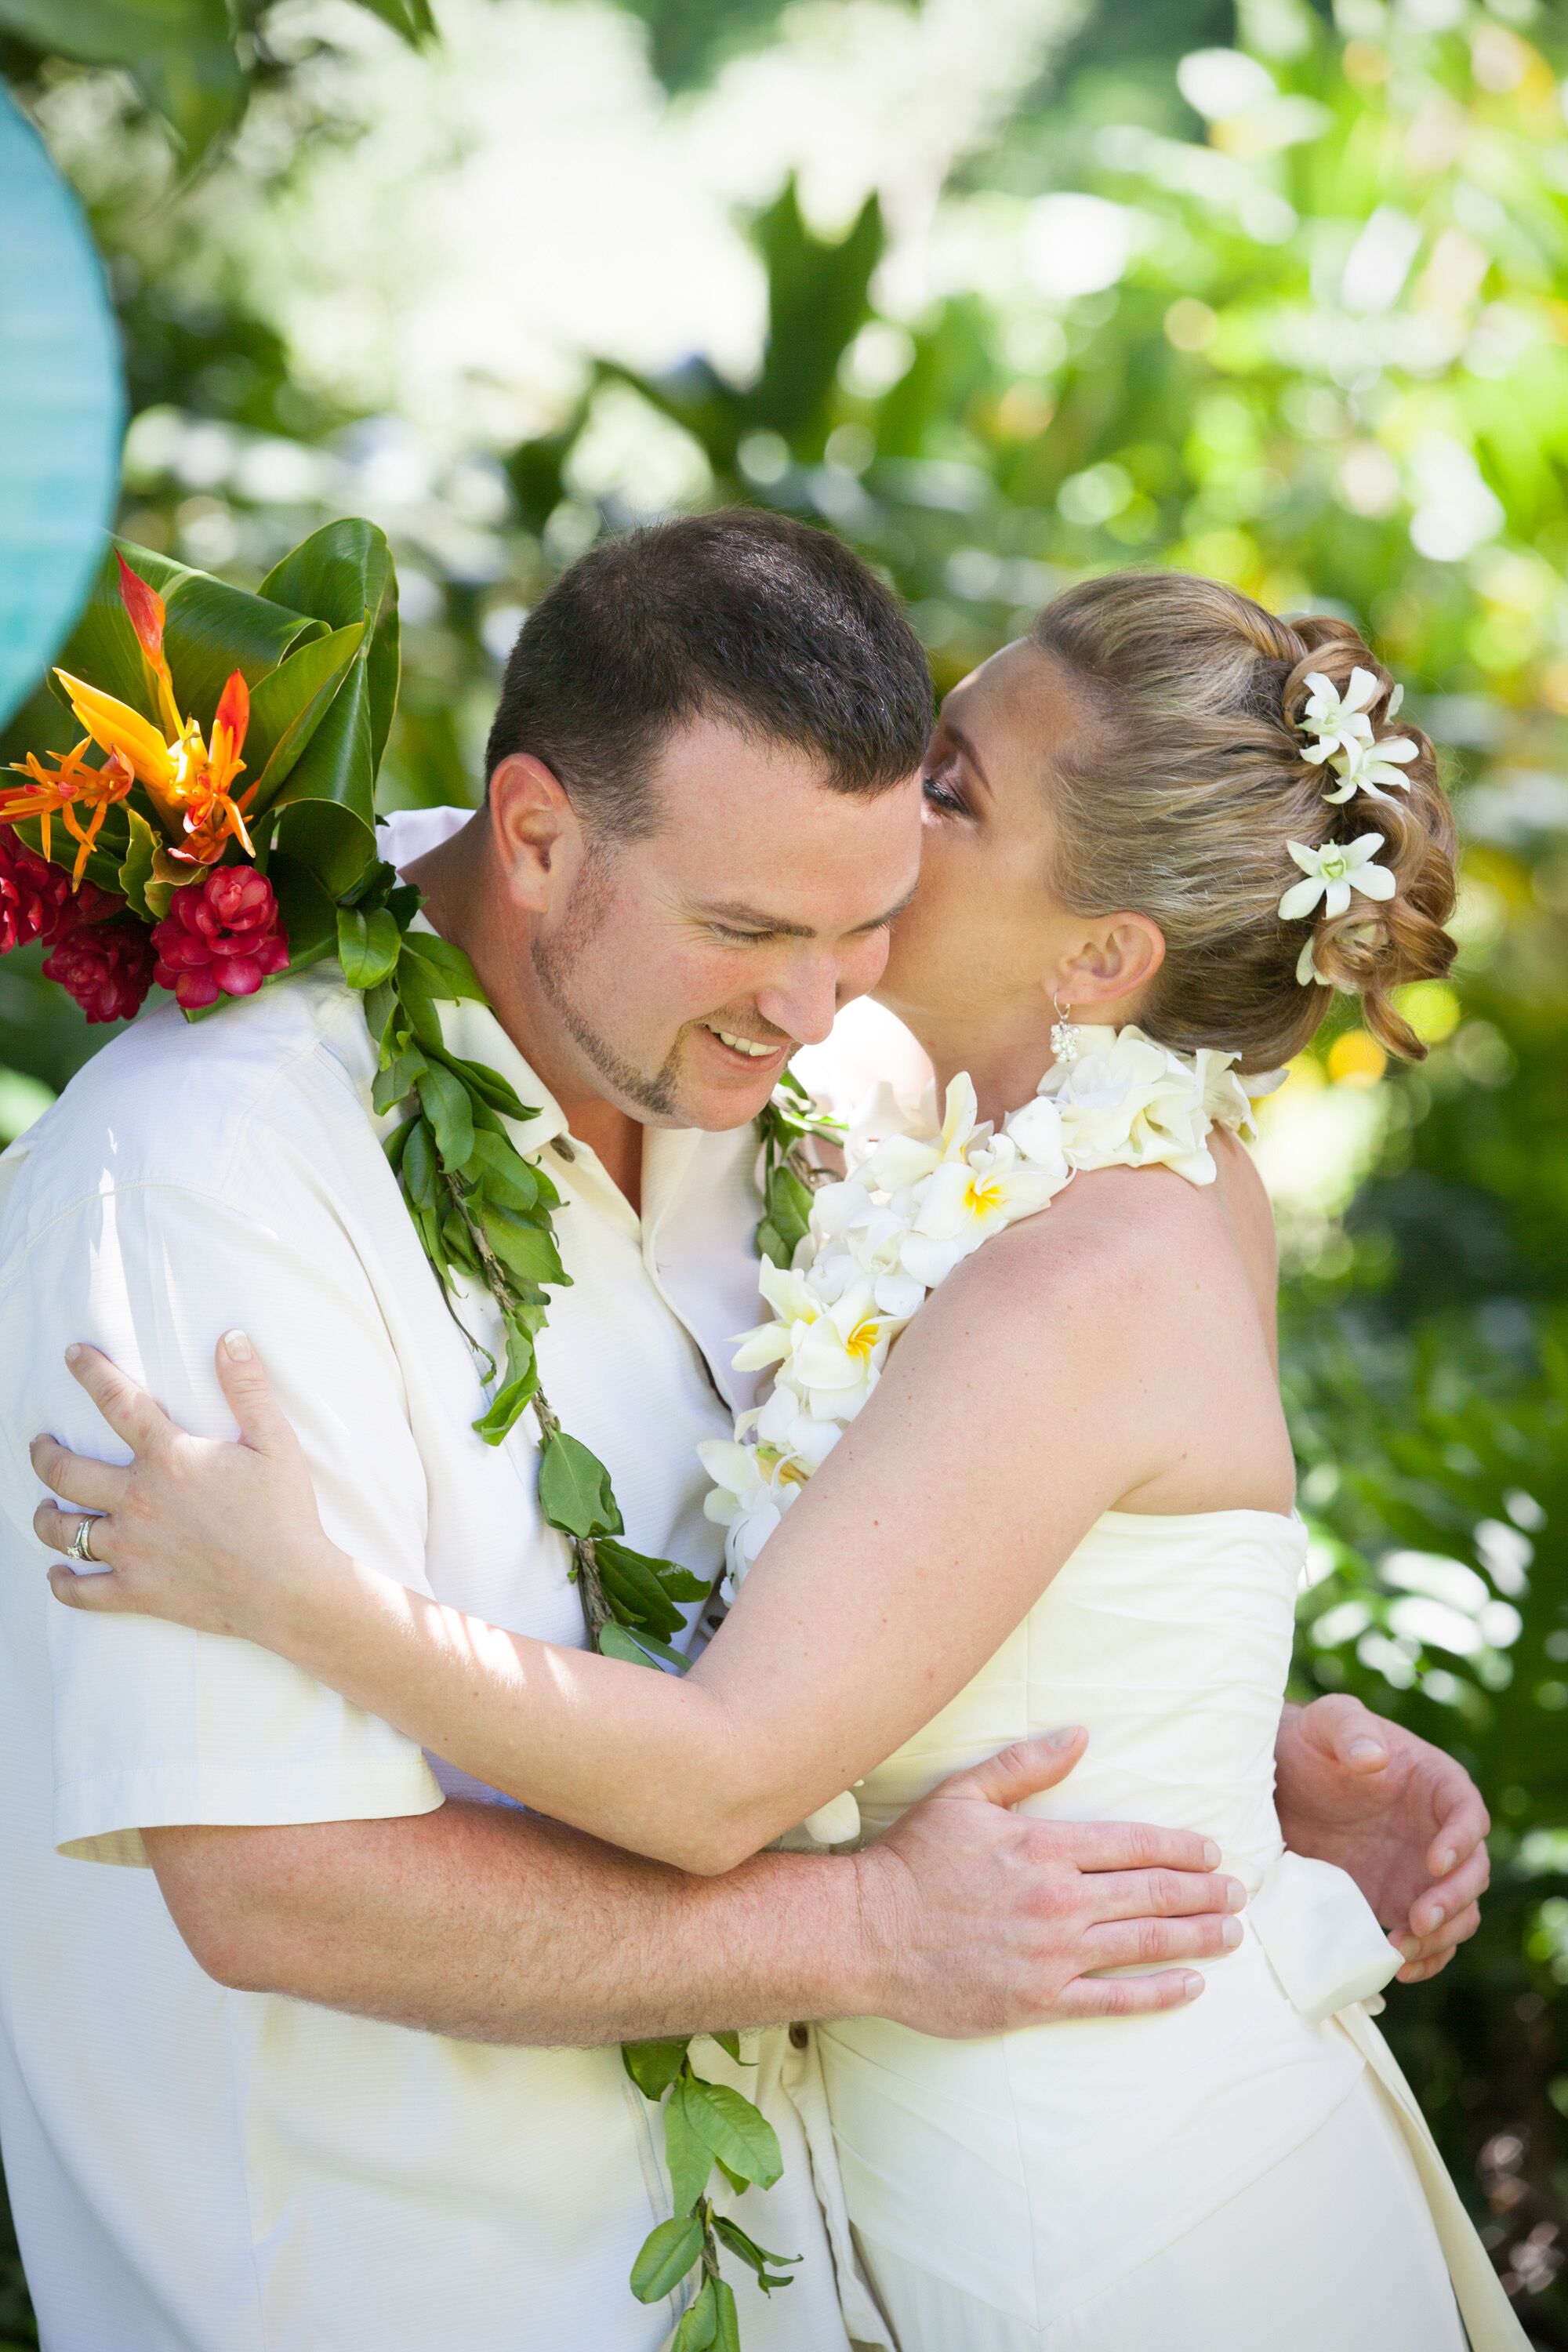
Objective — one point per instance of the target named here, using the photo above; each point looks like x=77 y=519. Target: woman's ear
x=534 y=824
x=1114 y=961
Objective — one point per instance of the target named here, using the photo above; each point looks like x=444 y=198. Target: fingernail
x=1194 y=1985
x=1230 y=1933
x=1408 y=1945
x=1235 y=1894
x=1057 y=1740
x=73 y=1353
x=1433 y=1918
x=1211 y=1854
x=1363 y=1750
x=1446 y=1861
x=236 y=1345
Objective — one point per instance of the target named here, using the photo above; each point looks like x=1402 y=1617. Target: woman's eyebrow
x=968 y=749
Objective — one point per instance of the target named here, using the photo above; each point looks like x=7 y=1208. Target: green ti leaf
x=730 y=2125
x=575 y=1491
x=367 y=946
x=141 y=859
x=666 y=2255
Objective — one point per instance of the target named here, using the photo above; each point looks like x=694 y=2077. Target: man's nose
x=804 y=1000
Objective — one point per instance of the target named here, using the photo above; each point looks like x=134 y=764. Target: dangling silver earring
x=1064 y=1033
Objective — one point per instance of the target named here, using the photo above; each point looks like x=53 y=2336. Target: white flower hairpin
x=1343 y=742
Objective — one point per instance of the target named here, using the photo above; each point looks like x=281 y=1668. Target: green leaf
x=698 y=2326
x=666 y=2255
x=730 y=2125
x=689 y=2159
x=731 y=2045
x=681 y=1583
x=788 y=1207
x=136 y=872
x=770 y=1244
x=420 y=1176
x=411 y=18
x=490 y=1085
x=575 y=1491
x=307 y=913
x=634 y=1585
x=505 y=1175
x=755 y=2257
x=449 y=973
x=509 y=1405
x=615 y=1642
x=343 y=573
x=654 y=2065
x=445 y=1102
x=367 y=947
x=526 y=1249
x=727 y=2332
x=287 y=707
x=392 y=1085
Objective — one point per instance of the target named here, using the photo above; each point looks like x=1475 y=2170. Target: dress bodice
x=1168 y=1638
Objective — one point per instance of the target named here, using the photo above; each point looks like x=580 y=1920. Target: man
x=339 y=2069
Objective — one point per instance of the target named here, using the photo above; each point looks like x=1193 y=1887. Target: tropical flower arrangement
x=911 y=1210
x=224 y=837
x=1343 y=741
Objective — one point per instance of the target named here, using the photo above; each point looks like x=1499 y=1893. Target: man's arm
x=1407 y=1821
x=488 y=1924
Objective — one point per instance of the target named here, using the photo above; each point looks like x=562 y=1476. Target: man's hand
x=1402 y=1818
x=978 y=1919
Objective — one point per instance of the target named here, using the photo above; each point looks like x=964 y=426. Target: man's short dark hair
x=741 y=615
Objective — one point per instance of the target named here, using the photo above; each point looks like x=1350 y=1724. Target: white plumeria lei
x=1344 y=745
x=910 y=1211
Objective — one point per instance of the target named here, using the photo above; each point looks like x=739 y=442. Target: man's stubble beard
x=555 y=960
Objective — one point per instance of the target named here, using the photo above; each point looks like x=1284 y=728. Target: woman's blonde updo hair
x=1179 y=799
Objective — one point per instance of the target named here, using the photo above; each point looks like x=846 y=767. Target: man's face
x=680 y=970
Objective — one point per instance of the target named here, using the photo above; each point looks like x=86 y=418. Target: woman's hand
x=224 y=1537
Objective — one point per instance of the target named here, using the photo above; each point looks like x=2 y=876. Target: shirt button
x=799 y=2035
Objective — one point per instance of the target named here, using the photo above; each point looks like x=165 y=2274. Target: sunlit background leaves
x=1002 y=293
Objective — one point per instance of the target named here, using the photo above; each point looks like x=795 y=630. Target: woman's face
x=981 y=941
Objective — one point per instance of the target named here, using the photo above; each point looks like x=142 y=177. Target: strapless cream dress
x=1248 y=2171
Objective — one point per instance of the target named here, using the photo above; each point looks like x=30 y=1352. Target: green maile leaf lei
x=483 y=1211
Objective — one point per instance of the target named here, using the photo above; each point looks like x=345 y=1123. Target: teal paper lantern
x=61 y=409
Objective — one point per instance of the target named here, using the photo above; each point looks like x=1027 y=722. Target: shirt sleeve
x=155 y=1724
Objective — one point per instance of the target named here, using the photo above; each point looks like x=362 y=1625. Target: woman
x=1068 y=1500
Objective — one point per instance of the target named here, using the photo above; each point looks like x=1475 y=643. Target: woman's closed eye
x=943 y=791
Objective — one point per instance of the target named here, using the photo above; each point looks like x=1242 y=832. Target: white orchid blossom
x=1333 y=872
x=901 y=1160
x=964 y=1201
x=1368 y=767
x=1339 y=722
x=836 y=1359
x=1307 y=971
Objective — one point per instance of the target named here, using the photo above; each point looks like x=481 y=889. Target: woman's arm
x=1032 y=1392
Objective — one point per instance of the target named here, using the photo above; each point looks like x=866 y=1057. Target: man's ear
x=1116 y=958
x=535 y=829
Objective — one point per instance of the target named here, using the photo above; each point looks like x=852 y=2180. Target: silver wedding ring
x=80 y=1546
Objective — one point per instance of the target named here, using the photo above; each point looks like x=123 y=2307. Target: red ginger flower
x=35 y=896
x=105 y=964
x=221 y=937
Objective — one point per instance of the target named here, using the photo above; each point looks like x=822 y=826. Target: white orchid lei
x=911 y=1208
x=1344 y=745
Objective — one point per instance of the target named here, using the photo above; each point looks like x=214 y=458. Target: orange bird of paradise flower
x=188 y=780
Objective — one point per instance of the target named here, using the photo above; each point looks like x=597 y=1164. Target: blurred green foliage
x=1281 y=296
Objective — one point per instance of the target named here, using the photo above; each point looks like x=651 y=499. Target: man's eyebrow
x=739 y=917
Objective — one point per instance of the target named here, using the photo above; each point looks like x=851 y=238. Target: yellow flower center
x=863 y=1339
x=982 y=1194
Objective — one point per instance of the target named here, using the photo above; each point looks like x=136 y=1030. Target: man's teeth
x=742 y=1044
